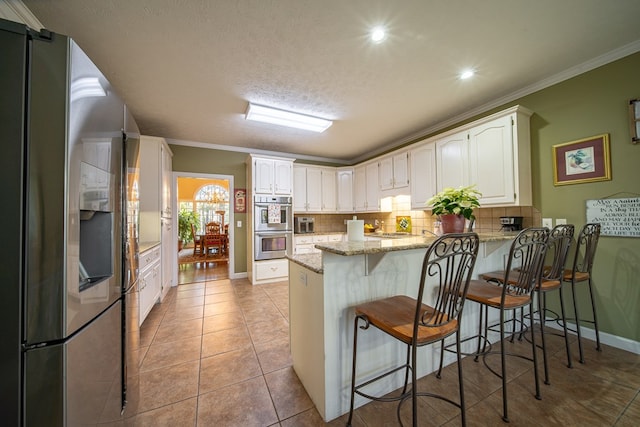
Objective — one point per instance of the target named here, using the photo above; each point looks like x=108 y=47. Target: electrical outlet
x=547 y=222
x=561 y=221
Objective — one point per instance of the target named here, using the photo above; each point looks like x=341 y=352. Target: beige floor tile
x=183 y=313
x=220 y=322
x=246 y=404
x=269 y=330
x=228 y=368
x=175 y=331
x=161 y=355
x=226 y=340
x=219 y=297
x=221 y=307
x=274 y=354
x=287 y=393
x=182 y=413
x=168 y=385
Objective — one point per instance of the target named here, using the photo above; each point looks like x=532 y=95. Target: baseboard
x=605 y=338
x=238 y=275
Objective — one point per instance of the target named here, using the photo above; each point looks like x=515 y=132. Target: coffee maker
x=511 y=223
x=303 y=224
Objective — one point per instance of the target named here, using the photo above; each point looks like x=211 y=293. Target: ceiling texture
x=188 y=68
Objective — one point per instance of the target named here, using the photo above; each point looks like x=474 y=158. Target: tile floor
x=216 y=353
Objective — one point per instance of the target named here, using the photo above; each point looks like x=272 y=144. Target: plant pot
x=451 y=223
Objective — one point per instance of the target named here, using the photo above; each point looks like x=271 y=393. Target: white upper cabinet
x=345 y=190
x=314 y=189
x=423 y=174
x=491 y=161
x=394 y=171
x=273 y=176
x=366 y=188
x=452 y=160
x=493 y=153
x=329 y=190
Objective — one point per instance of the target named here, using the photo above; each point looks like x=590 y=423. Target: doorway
x=203 y=199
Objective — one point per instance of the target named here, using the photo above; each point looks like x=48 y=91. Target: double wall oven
x=273 y=227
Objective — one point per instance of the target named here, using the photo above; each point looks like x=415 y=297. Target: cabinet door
x=372 y=188
x=168 y=255
x=491 y=161
x=263 y=176
x=360 y=188
x=166 y=181
x=299 y=189
x=386 y=173
x=314 y=189
x=328 y=190
x=345 y=190
x=452 y=158
x=401 y=170
x=283 y=177
x=423 y=175
x=146 y=294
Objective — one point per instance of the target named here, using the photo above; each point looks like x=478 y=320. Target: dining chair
x=210 y=242
x=212 y=227
x=581 y=272
x=506 y=291
x=197 y=241
x=447 y=266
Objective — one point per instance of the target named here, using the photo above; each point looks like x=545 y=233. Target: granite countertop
x=402 y=244
x=145 y=246
x=314 y=261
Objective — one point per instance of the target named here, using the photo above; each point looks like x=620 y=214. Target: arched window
x=212 y=204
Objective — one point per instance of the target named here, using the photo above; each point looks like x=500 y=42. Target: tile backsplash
x=487 y=219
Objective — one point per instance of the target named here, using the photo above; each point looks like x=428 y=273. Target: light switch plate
x=547 y=222
x=561 y=221
x=239 y=224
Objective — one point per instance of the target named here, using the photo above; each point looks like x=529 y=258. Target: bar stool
x=511 y=289
x=581 y=272
x=448 y=264
x=559 y=243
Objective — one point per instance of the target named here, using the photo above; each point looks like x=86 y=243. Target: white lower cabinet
x=305 y=244
x=270 y=270
x=149 y=285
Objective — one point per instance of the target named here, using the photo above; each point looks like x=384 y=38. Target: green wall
x=219 y=162
x=593 y=103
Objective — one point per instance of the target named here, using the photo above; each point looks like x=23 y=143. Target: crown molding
x=567 y=74
x=15 y=10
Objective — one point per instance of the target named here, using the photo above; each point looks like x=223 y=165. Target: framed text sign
x=617 y=217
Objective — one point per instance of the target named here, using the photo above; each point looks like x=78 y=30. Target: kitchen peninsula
x=324 y=288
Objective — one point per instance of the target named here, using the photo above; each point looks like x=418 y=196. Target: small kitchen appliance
x=511 y=223
x=303 y=224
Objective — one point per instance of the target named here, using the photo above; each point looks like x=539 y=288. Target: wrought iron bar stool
x=507 y=290
x=447 y=264
x=580 y=272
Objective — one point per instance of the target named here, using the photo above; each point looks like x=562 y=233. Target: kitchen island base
x=321 y=321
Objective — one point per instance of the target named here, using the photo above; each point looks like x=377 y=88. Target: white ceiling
x=188 y=68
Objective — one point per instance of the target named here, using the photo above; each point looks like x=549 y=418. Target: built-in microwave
x=281 y=218
x=272 y=244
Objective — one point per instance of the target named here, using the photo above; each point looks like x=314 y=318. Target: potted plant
x=454 y=206
x=186 y=218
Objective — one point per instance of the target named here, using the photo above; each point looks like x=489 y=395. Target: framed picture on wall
x=584 y=160
x=240 y=200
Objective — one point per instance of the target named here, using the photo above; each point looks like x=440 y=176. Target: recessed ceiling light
x=378 y=34
x=466 y=74
x=276 y=116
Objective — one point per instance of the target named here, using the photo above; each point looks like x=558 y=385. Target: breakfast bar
x=324 y=288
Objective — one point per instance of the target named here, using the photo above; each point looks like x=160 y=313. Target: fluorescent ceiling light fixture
x=86 y=87
x=378 y=34
x=260 y=113
x=466 y=74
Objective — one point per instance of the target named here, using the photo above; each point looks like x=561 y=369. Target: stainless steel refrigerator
x=63 y=317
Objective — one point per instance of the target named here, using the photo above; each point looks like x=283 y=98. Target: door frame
x=174 y=203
